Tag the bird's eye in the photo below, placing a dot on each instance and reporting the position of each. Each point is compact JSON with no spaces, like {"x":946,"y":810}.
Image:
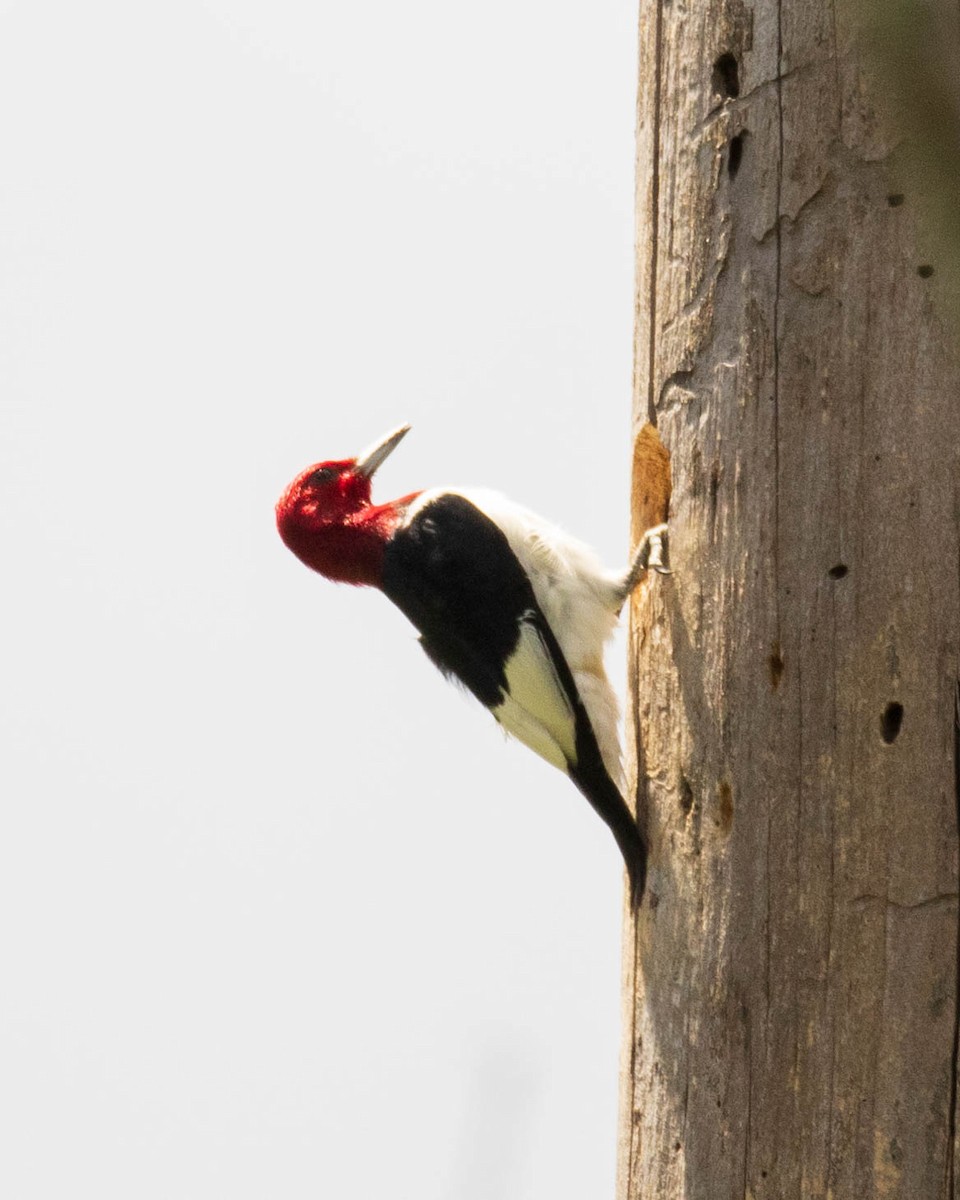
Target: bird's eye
{"x":321,"y":476}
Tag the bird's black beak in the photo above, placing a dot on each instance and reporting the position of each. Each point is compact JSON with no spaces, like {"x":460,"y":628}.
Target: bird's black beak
{"x":372,"y":457}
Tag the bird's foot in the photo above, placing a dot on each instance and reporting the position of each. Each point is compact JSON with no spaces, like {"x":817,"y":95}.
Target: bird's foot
{"x":652,"y":553}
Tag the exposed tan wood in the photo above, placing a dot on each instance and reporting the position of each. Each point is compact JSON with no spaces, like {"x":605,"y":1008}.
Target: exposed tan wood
{"x":650,"y":495}
{"x":791,"y":984}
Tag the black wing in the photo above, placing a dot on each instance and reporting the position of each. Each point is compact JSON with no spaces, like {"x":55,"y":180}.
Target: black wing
{"x":451,"y":570}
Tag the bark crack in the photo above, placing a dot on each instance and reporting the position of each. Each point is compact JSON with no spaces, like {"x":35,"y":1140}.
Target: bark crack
{"x":768,"y":946}
{"x":838,"y":87}
{"x":949,"y":1189}
{"x":776,"y":320}
{"x":655,"y":219}
{"x":746,"y":1141}
{"x":927,"y":902}
{"x":632,"y":1102}
{"x":630,"y":1097}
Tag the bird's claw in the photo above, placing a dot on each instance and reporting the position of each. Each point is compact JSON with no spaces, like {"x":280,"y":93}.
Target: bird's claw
{"x":654,"y":547}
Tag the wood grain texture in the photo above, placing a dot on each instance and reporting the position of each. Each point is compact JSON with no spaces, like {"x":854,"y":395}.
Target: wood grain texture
{"x":913,"y":49}
{"x":790,"y":986}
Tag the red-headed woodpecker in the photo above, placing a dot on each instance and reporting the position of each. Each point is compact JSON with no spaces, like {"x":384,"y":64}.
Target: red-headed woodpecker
{"x":505,"y":603}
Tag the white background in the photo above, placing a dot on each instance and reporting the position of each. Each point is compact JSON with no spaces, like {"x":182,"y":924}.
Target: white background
{"x":281,"y":913}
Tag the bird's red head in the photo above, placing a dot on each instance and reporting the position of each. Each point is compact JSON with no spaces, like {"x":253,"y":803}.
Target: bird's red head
{"x":325,"y":516}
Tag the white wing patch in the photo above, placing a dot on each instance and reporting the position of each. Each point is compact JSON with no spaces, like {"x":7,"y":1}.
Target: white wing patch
{"x":536,"y":710}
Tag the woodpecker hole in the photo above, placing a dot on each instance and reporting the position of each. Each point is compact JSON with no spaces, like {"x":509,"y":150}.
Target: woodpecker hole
{"x":840,"y":571}
{"x":735,"y":155}
{"x":925,"y":271}
{"x":775,"y":666}
{"x":725,"y":820}
{"x":891,"y":721}
{"x":895,"y":199}
{"x":726,"y":76}
{"x":650,"y":495}
{"x":686,"y":795}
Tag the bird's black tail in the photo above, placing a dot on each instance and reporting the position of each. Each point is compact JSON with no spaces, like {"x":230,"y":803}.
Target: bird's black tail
{"x":591,"y":777}
{"x":634,"y":851}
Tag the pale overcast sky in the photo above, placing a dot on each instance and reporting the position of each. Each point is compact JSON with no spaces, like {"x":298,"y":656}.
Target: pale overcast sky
{"x":281,"y":912}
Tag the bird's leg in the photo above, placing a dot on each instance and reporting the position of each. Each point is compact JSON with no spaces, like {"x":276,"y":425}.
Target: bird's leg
{"x":651,"y":554}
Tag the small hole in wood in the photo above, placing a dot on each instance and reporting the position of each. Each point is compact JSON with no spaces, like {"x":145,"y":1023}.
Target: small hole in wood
{"x":925,"y":271}
{"x":895,"y":199}
{"x":891,"y":722}
{"x":686,"y":794}
{"x":840,"y":571}
{"x":726,"y":76}
{"x":714,"y":489}
{"x":725,"y":819}
{"x":775,"y":666}
{"x":735,"y":155}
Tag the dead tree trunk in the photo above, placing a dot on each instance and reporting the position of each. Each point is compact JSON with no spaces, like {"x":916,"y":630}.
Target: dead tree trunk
{"x":791,"y":993}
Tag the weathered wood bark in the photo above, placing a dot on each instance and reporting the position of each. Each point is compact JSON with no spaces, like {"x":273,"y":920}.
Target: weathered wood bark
{"x":913,"y":50}
{"x":791,"y":990}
